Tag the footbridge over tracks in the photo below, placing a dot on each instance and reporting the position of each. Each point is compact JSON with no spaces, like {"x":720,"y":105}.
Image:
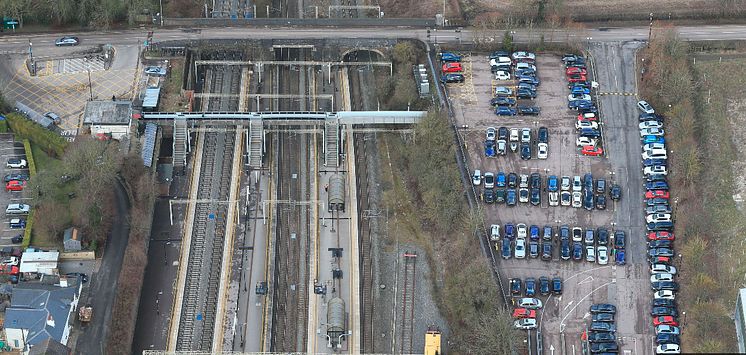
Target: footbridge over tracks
{"x":332,"y":122}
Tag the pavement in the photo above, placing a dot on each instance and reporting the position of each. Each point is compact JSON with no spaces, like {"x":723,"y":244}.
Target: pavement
{"x":103,"y":283}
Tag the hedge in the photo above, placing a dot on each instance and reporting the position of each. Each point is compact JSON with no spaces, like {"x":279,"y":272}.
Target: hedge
{"x":27,"y":231}
{"x":29,"y":157}
{"x":49,"y":141}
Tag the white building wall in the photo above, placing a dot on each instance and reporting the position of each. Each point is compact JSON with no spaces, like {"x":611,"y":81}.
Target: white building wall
{"x":15,"y":337}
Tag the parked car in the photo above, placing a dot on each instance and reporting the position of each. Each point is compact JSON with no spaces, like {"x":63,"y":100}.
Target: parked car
{"x":557,"y":286}
{"x":505,"y":111}
{"x":17,"y":208}
{"x":449,"y":57}
{"x":645,"y":107}
{"x":530,"y":303}
{"x":592,"y":151}
{"x":597,"y":337}
{"x":520,"y":313}
{"x":452,"y":67}
{"x":503,"y":91}
{"x":447,"y":78}
{"x":615,"y":192}
{"x":16,"y":176}
{"x":160,"y":71}
{"x":664,"y":311}
{"x":506,"y":248}
{"x":17,"y":223}
{"x":619,"y":239}
{"x":607,"y":347}
{"x":476,"y":178}
{"x":602,"y":327}
{"x":502,"y":75}
{"x":502,"y":101}
{"x":666,"y":326}
{"x":15,"y":185}
{"x":16,"y":163}
{"x":665,"y":320}
{"x":664,"y":285}
{"x":603,"y":255}
{"x":520,"y":249}
{"x":525,"y":323}
{"x":603,"y":308}
{"x":528,"y":110}
{"x":67,"y":41}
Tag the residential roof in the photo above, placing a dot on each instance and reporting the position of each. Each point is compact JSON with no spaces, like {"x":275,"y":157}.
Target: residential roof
{"x":40,"y":261}
{"x":151,"y":97}
{"x":41,"y":310}
{"x":71,"y":233}
{"x":49,"y":347}
{"x":108,"y":112}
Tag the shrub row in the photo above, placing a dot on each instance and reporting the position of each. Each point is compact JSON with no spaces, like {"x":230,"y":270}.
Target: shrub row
{"x":29,"y":157}
{"x":49,"y":141}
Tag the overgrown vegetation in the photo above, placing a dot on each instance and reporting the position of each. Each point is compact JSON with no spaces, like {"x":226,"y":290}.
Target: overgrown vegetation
{"x":173,"y":100}
{"x":50,"y":142}
{"x":709,"y":227}
{"x":428,"y":197}
{"x":98,"y":14}
{"x":142,"y":188}
{"x":399,"y":92}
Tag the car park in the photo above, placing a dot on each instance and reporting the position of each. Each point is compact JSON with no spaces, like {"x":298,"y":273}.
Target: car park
{"x":448,"y":78}
{"x":525,"y":323}
{"x":67,"y":41}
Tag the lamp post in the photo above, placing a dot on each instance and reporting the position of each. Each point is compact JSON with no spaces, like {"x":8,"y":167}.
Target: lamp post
{"x":161,"y":15}
{"x":650,"y":29}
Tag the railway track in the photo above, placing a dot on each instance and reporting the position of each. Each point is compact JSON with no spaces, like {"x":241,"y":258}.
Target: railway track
{"x":408,"y":296}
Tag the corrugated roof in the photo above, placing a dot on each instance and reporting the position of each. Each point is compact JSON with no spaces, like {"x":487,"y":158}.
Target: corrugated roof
{"x":151,"y":97}
{"x":148,"y":147}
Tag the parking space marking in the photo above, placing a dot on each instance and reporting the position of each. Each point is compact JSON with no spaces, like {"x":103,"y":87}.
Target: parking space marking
{"x":562,"y":322}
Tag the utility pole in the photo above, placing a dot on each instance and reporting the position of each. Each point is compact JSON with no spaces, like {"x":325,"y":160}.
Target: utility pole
{"x":161,"y":2}
{"x":650,"y":29}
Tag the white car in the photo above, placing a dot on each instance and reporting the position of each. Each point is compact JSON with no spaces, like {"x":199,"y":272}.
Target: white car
{"x":543,"y":150}
{"x":651,"y":124}
{"x":495,"y":232}
{"x":655,"y":154}
{"x":573,"y":97}
{"x":586,"y":124}
{"x":524,"y":55}
{"x":10,"y":260}
{"x":668,"y":349}
{"x":523,"y":195}
{"x":526,"y":135}
{"x":525,"y":323}
{"x":577,"y":185}
{"x":476,"y":179}
{"x":521,"y":227}
{"x":502,"y":147}
{"x":500,"y":61}
{"x":655,"y":170}
{"x":585,"y":141}
{"x":577,"y":234}
{"x":520,"y":66}
{"x":489,"y":180}
{"x":502,"y":75}
{"x":15,"y":163}
{"x":653,"y":146}
{"x":553,"y":198}
{"x":565,"y":184}
{"x":577,"y":199}
{"x":603,"y":255}
{"x":644,"y":106}
{"x":658,"y":217}
{"x":530,"y":303}
{"x":491,"y":133}
{"x":661,"y":277}
{"x":17,"y":208}
{"x":651,"y":132}
{"x":514,"y":134}
{"x":520,"y":249}
{"x":664,"y":294}
{"x":566,"y":198}
{"x":590,"y":254}
{"x":662,"y":268}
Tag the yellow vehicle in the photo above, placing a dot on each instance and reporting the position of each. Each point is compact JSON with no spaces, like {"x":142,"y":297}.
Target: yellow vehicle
{"x":432,"y":341}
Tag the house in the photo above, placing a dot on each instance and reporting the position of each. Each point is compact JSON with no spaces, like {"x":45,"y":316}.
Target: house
{"x":39,"y":262}
{"x":50,"y":347}
{"x":108,"y":118}
{"x":40,"y":312}
{"x":72,"y":239}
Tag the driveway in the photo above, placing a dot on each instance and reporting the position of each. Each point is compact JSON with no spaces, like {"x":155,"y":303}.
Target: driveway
{"x":103,"y":284}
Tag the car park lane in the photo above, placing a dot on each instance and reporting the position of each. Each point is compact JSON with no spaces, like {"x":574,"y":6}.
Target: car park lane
{"x":11,"y":149}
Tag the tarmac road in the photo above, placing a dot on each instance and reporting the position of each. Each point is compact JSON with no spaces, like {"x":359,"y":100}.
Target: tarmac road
{"x":103,"y":288}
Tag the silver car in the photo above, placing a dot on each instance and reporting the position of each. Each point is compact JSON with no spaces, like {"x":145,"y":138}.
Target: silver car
{"x":590,"y":254}
{"x":67,"y":41}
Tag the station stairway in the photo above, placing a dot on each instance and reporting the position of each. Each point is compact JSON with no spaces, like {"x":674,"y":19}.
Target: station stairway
{"x":256,"y":135}
{"x":331,"y":143}
{"x":180,"y":145}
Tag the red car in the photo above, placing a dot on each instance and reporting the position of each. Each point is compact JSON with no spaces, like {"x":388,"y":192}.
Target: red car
{"x":665,"y":320}
{"x":575,"y":70}
{"x":592,"y":151}
{"x":657,"y":194}
{"x":661,"y":260}
{"x":590,"y":116}
{"x":452,"y":67}
{"x":524,"y":313}
{"x":664,"y":235}
{"x":576,"y":78}
{"x":15,"y":185}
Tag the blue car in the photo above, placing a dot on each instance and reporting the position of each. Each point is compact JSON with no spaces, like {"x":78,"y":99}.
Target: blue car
{"x":449,"y":57}
{"x":530,"y":287}
{"x":590,"y":133}
{"x":620,"y":257}
{"x":489,"y":148}
{"x":588,"y":200}
{"x":505,"y":111}
{"x":577,"y":251}
{"x":506,"y":252}
{"x":579,"y":89}
{"x":653,"y":139}
{"x":654,"y":162}
{"x":500,"y":179}
{"x":510,"y":231}
{"x":452,"y":78}
{"x":534,"y":232}
{"x":656,"y":185}
{"x":565,"y":249}
{"x":528,"y":79}
{"x":511,"y":198}
{"x":579,"y":104}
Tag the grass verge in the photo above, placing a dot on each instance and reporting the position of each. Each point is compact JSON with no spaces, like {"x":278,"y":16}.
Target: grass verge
{"x":172,"y":100}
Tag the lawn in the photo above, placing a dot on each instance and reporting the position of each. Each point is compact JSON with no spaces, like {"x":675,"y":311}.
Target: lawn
{"x":45,"y":162}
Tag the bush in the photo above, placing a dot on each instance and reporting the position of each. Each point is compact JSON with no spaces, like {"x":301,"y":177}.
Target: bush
{"x":29,"y":157}
{"x":50,"y":142}
{"x":27,"y":232}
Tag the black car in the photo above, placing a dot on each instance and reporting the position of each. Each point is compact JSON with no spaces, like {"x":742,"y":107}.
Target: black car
{"x":452,"y":78}
{"x":664,"y":311}
{"x":502,"y":133}
{"x":546,"y":251}
{"x":619,"y":239}
{"x":528,"y":110}
{"x":601,"y":202}
{"x":506,"y":248}
{"x":502,"y":101}
{"x":512,"y":180}
{"x":17,"y":239}
{"x":511,"y":198}
{"x":83,"y":277}
{"x":515,"y":286}
{"x":662,"y":302}
{"x":497,"y":54}
{"x":603,"y":317}
{"x":656,"y":185}
{"x":535,"y":181}
{"x":530,"y":287}
{"x":564,"y":232}
{"x":667,"y":338}
{"x":488,"y":196}
{"x":600,"y":186}
{"x":662,"y":208}
{"x":557,"y":286}
{"x":525,"y":151}
{"x":577,"y":251}
{"x":19,"y":177}
{"x":500,"y":196}
{"x":543,"y":135}
{"x":589,"y":132}
{"x":588,"y":182}
{"x":606,"y":347}
{"x":656,"y":177}
{"x":664,"y":285}
{"x":544,"y":285}
{"x":535,"y":197}
{"x":565,"y":249}
{"x":602,"y":235}
{"x":650,"y":117}
{"x":600,"y":337}
{"x":615,"y":192}
{"x":602,"y":327}
{"x":660,"y":244}
{"x":660,"y":252}
{"x":655,"y":201}
{"x":588,"y":200}
{"x":603,"y":308}
{"x":525,"y":94}
{"x":525,"y":72}
{"x":533,"y":249}
{"x":660,"y":226}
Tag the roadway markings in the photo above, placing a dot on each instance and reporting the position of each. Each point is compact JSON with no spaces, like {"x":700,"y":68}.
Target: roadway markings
{"x":618,"y":93}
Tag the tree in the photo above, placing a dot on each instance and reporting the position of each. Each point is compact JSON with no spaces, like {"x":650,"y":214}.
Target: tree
{"x":508,"y":41}
{"x":405,"y":54}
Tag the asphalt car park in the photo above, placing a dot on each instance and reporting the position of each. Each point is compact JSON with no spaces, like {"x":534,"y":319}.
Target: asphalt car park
{"x":10,"y":149}
{"x":564,"y":317}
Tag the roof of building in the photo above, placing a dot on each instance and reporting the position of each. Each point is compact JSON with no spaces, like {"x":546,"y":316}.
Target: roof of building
{"x":42,"y":310}
{"x":151,"y":97}
{"x":72,"y":233}
{"x":108,"y":112}
{"x":39,"y":261}
{"x":49,"y":347}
